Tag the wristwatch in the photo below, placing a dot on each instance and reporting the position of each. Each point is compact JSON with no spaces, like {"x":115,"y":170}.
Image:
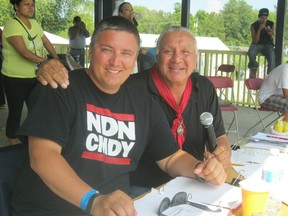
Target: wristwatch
{"x":197,"y":176}
{"x":37,"y":66}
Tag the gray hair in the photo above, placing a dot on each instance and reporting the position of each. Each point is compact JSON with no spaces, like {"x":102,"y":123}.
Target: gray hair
{"x":115,"y":23}
{"x":174,"y":29}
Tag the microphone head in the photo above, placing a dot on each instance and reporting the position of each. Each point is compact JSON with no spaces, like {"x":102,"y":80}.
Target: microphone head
{"x":206,"y":119}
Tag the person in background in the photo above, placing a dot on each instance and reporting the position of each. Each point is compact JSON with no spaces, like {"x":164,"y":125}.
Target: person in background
{"x":2,"y":94}
{"x":126,"y":10}
{"x":145,"y":61}
{"x":77,"y":40}
{"x":273,"y":92}
{"x":152,"y":52}
{"x":262,"y":33}
{"x":95,"y":133}
{"x":23,"y":42}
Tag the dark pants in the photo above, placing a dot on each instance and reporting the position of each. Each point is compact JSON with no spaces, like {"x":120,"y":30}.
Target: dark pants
{"x":2,"y":95}
{"x":267,"y":50}
{"x":17,"y":91}
{"x":78,"y":55}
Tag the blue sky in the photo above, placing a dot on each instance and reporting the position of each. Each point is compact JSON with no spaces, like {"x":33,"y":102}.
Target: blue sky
{"x":207,"y":5}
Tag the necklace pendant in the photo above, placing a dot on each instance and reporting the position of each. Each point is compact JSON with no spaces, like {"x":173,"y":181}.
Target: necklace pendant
{"x":180,"y":130}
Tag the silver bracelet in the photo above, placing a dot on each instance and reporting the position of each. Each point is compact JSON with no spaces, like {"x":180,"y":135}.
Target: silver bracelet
{"x":197,"y":176}
{"x":37,"y":66}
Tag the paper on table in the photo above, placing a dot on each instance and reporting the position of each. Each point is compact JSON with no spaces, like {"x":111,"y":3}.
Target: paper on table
{"x":270,"y":137}
{"x":256,"y":158}
{"x":250,"y":170}
{"x":225,"y":195}
{"x":248,"y":155}
{"x":267,"y":146}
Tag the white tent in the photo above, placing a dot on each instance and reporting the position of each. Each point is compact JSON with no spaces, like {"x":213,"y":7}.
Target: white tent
{"x":204,"y":43}
{"x":210,"y":43}
{"x":55,"y":39}
{"x":148,"y":40}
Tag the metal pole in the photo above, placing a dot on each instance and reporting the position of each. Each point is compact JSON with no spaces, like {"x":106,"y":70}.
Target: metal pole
{"x":280,"y":28}
{"x":98,"y":8}
{"x":185,"y":13}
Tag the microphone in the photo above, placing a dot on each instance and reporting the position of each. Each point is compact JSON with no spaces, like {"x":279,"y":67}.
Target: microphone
{"x":206,"y":120}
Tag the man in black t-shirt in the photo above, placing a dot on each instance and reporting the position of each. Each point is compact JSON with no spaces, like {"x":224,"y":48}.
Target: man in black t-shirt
{"x":93,"y":134}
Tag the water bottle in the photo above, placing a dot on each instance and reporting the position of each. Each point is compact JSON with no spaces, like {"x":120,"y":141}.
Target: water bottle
{"x":272,"y":174}
{"x":137,"y":16}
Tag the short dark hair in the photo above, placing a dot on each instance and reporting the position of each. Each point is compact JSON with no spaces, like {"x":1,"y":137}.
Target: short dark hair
{"x":17,"y":2}
{"x":120,"y":8}
{"x":76,"y":19}
{"x":116,"y":23}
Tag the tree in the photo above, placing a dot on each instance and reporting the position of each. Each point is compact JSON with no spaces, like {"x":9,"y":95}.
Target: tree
{"x":238,"y":16}
{"x":55,"y":16}
{"x":50,"y":15}
{"x":154,"y":22}
{"x":210,"y":24}
{"x":7,"y":12}
{"x":231,"y":25}
{"x":286,"y":33}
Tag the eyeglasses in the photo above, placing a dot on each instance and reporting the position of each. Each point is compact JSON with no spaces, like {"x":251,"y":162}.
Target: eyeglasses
{"x":181,"y":198}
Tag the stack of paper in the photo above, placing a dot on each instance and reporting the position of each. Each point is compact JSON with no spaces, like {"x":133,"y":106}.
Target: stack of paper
{"x":226,"y":197}
{"x":267,"y":141}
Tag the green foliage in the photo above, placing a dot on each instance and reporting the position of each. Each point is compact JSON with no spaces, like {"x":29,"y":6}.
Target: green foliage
{"x":231,"y":25}
{"x":286,"y":29}
{"x":238,"y":16}
{"x":153,"y":22}
{"x":7,"y":12}
{"x":209,"y":24}
{"x":55,"y":16}
{"x":47,"y":16}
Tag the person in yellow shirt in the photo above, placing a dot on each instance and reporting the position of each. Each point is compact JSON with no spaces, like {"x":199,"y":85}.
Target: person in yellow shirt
{"x":23,"y":41}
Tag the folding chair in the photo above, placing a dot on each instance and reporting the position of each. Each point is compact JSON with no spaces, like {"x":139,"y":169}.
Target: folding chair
{"x":222,"y":84}
{"x":253,"y":85}
{"x":228,"y":68}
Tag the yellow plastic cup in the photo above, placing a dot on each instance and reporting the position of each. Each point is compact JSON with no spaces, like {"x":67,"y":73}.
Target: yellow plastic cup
{"x":254,"y":197}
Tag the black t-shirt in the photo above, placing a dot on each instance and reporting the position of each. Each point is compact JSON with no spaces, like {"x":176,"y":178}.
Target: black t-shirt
{"x":264,"y":37}
{"x":202,"y":99}
{"x":102,"y":138}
